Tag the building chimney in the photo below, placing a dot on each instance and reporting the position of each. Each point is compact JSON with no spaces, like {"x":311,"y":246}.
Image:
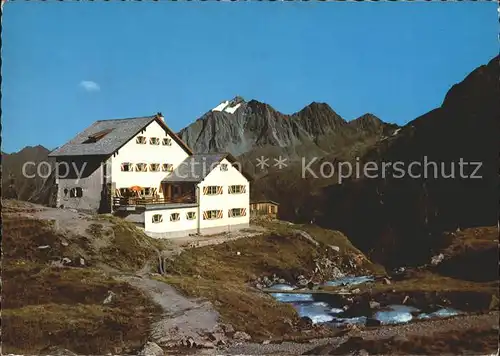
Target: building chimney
{"x":159,"y":115}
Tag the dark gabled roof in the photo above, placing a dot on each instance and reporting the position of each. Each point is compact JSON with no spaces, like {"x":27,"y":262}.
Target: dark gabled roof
{"x":111,"y":136}
{"x":196,"y":167}
{"x":263,"y":201}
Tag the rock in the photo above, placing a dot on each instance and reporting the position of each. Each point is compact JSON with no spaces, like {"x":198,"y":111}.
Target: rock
{"x":400,"y":338}
{"x":205,"y":345}
{"x":82,"y":262}
{"x":216,"y":337}
{"x":356,"y":291}
{"x":43,"y":247}
{"x":241,"y":335}
{"x":337,"y":273}
{"x":73,"y":211}
{"x":288,"y":322}
{"x":335,"y":248}
{"x":305,"y":322}
{"x":57,"y":264}
{"x":302,"y":282}
{"x":405,"y":300}
{"x":386,"y":281}
{"x":66,"y":261}
{"x":109,"y":298}
{"x":259,"y":286}
{"x":64,"y":243}
{"x":374,"y":304}
{"x":361,"y":352}
{"x":281,"y":281}
{"x":372,"y":322}
{"x":227,"y":328}
{"x":151,"y":349}
{"x":352,"y":328}
{"x":266,"y":342}
{"x":494,"y":302}
{"x":57,"y":351}
{"x":437,"y":259}
{"x":359,"y":307}
{"x":189,"y":342}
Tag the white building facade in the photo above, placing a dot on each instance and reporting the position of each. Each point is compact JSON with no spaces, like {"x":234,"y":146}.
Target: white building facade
{"x":139,"y":169}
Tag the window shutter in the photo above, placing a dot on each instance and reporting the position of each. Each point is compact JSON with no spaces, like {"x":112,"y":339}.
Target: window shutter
{"x":205,"y":190}
{"x":243,"y":188}
{"x":243,"y":212}
{"x":219,"y":214}
{"x":230,"y":213}
{"x":205,"y":215}
{"x":219,"y":190}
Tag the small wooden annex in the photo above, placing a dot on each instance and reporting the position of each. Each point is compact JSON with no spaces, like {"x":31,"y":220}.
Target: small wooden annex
{"x":264,"y":208}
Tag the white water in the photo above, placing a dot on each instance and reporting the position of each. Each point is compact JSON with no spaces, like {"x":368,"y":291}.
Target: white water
{"x":323,"y":312}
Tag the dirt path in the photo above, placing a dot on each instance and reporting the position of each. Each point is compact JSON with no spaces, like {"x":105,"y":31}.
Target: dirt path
{"x":425,"y":328}
{"x":182,"y":318}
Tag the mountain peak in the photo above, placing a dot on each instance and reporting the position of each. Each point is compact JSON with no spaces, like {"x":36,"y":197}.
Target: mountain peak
{"x":230,"y":106}
{"x":368,"y":117}
{"x":317,"y":106}
{"x":367,"y":121}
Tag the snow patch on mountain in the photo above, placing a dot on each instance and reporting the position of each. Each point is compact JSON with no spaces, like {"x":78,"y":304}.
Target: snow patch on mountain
{"x":229,"y":106}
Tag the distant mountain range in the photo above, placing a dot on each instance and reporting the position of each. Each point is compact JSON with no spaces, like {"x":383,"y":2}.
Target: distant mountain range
{"x":396,"y":221}
{"x":253,"y":129}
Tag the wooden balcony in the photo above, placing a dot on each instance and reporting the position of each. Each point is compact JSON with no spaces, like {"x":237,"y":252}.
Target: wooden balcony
{"x":145,"y":201}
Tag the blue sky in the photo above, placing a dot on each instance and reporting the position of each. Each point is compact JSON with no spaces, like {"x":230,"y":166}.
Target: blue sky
{"x":68,"y":64}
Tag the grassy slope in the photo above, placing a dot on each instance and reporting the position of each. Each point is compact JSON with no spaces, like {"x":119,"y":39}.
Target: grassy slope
{"x":44,"y":305}
{"x":219,"y":274}
{"x":472,"y":255}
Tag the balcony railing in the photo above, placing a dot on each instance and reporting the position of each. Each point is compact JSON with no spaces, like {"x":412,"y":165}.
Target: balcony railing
{"x":135,"y":201}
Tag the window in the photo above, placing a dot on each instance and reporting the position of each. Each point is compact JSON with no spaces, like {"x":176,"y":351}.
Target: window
{"x":76,"y":192}
{"x":141,"y":167}
{"x":146,"y":191}
{"x":141,"y":140}
{"x":167,"y":167}
{"x":223,"y":167}
{"x":236,"y":189}
{"x":175,"y":217}
{"x":166,"y":141}
{"x":154,"y":167}
{"x":191,"y":215}
{"x":212,"y":214}
{"x":212,"y":190}
{"x":157,"y":218}
{"x":97,"y":136}
{"x":126,"y":167}
{"x":237,"y":212}
{"x":154,"y":141}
